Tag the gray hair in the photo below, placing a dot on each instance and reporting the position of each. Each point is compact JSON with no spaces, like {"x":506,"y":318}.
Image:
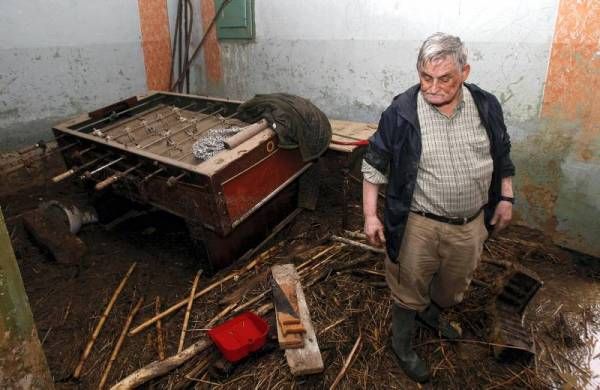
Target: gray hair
{"x":439,"y":46}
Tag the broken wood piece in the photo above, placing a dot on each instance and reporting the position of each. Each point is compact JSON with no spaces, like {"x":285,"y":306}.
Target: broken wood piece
{"x":286,"y":319}
{"x":234,"y":275}
{"x":98,"y":328}
{"x":119,"y":344}
{"x":187,"y":311}
{"x":160,"y":339}
{"x":358,"y":244}
{"x":347,"y":363}
{"x":158,"y":368}
{"x":355,"y":235}
{"x":292,"y":328}
{"x":308,"y":359}
{"x":237,"y":294}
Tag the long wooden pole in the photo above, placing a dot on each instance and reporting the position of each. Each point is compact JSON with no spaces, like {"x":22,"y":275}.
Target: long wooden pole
{"x":182,"y":303}
{"x":101,"y":322}
{"x":119,"y":344}
{"x":347,"y":363}
{"x":187,"y":311}
{"x":358,"y":244}
{"x":158,"y":368}
{"x":160,"y":340}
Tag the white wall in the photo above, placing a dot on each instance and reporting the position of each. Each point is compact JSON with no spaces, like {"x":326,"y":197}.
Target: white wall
{"x":351,"y":57}
{"x":62,"y":57}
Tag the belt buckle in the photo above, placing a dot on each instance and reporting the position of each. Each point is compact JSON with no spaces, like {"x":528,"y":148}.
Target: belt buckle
{"x":465,"y":220}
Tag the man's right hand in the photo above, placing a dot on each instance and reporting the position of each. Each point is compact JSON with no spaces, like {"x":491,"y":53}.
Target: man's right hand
{"x":374,"y":231}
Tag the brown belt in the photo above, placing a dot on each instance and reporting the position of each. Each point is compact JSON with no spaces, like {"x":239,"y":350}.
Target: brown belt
{"x":451,"y":221}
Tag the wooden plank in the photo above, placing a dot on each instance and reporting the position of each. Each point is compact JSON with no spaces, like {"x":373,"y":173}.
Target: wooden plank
{"x":347,"y":131}
{"x":306,"y":360}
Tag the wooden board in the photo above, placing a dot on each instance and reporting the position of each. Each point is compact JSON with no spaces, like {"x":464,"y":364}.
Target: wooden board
{"x":306,"y":360}
{"x":347,"y":131}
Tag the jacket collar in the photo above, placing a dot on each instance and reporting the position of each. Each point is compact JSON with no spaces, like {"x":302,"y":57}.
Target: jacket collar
{"x":406,"y":103}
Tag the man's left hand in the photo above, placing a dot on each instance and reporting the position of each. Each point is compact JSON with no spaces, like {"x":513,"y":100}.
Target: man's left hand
{"x":502,"y":216}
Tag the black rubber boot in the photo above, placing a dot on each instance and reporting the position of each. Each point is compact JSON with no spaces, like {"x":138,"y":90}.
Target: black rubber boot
{"x":403,"y":327}
{"x":430,"y":317}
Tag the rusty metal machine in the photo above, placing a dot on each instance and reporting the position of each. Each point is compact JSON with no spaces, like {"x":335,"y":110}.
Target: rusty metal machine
{"x":173,"y":152}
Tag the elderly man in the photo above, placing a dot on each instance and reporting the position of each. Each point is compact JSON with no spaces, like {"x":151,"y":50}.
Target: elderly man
{"x":443,"y":150}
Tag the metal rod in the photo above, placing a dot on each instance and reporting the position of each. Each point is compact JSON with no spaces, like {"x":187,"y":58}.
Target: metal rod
{"x":174,"y":179}
{"x":116,"y":177}
{"x":174,"y":111}
{"x":76,"y":169}
{"x":37,"y":158}
{"x":211,"y":115}
{"x":119,"y":114}
{"x":30,"y":148}
{"x":150,"y":176}
{"x":88,"y":175}
{"x":133,"y":118}
{"x":175,"y":40}
{"x":84,"y":151}
{"x":188,"y":62}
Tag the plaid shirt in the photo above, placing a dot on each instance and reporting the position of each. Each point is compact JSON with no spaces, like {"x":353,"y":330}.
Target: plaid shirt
{"x":455,"y":168}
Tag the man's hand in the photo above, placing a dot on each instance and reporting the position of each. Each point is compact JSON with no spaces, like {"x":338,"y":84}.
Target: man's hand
{"x":502,"y":216}
{"x":373,"y":226}
{"x":374,"y":231}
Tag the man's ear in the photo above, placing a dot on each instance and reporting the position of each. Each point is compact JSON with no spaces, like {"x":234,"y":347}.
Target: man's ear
{"x":465,"y":71}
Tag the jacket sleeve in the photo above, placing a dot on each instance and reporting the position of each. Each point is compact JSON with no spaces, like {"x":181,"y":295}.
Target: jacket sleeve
{"x":379,"y":151}
{"x":505,"y":164}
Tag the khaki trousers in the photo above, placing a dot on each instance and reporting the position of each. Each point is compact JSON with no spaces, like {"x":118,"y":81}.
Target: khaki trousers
{"x":436,"y":262}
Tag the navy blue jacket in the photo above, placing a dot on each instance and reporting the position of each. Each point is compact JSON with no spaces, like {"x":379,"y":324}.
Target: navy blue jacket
{"x":396,"y":148}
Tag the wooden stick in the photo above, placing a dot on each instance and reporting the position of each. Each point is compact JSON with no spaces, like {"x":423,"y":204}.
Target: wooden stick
{"x":98,"y":328}
{"x":180,"y":304}
{"x":358,"y":244}
{"x":187,"y":311}
{"x":221,"y":314}
{"x":161,"y":367}
{"x":356,"y":235}
{"x":347,"y":363}
{"x":158,"y":368}
{"x":119,"y":344}
{"x":160,"y":340}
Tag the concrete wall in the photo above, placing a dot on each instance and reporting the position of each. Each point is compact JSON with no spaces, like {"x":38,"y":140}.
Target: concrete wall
{"x":63,"y":57}
{"x":351,"y":57}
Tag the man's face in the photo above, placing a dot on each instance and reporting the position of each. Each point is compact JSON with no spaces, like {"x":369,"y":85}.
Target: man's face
{"x":441,"y":80}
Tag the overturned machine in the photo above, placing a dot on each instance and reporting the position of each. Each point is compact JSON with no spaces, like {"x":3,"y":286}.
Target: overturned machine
{"x":188,"y":155}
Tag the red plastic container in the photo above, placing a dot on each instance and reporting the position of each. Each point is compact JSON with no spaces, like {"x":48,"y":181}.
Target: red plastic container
{"x":239,"y":336}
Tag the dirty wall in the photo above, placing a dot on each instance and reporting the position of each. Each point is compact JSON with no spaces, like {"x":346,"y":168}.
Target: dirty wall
{"x":62,"y":57}
{"x":352,"y":57}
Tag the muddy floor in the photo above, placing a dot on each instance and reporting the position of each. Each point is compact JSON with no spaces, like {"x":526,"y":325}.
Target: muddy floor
{"x":67,"y":301}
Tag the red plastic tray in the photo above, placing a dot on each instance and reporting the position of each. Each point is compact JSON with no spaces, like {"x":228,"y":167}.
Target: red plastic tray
{"x":239,"y":336}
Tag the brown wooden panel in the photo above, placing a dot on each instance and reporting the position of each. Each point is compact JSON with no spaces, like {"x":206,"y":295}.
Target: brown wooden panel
{"x":249,"y":187}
